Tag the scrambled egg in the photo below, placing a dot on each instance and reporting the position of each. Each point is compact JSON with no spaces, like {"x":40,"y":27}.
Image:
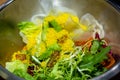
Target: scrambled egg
{"x":63,"y":33}
{"x":63,"y":18}
{"x":67,"y":45}
{"x":51,"y":37}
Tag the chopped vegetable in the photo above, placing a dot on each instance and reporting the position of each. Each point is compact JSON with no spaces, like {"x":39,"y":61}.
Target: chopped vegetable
{"x":51,"y":53}
{"x":55,"y":25}
{"x":23,"y":74}
{"x":95,"y":46}
{"x":17,"y":64}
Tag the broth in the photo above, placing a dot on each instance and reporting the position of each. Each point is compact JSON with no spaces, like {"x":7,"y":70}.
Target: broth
{"x":10,"y":41}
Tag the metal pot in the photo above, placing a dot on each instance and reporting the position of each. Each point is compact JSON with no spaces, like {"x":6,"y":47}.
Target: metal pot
{"x":22,"y":10}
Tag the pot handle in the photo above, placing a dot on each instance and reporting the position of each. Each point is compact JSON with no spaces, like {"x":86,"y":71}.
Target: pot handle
{"x":6,"y":3}
{"x":115,"y":4}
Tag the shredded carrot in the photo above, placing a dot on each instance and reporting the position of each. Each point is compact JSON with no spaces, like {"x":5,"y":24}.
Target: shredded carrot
{"x":81,"y":42}
{"x":109,"y":62}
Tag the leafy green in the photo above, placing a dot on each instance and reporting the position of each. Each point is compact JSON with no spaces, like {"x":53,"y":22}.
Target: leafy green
{"x":25,"y":25}
{"x":94,"y":59}
{"x":95,"y":46}
{"x":49,"y":51}
{"x":55,"y":25}
{"x":17,"y":64}
{"x":56,"y":73}
{"x":44,"y":31}
{"x":83,"y":66}
{"x":23,"y":74}
{"x":27,"y":29}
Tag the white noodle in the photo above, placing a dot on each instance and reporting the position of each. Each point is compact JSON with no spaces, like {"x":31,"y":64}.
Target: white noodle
{"x":99,"y":29}
{"x":23,"y":37}
{"x":92,"y":24}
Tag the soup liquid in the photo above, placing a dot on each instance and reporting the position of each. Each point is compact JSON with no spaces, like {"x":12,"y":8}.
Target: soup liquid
{"x":10,"y":41}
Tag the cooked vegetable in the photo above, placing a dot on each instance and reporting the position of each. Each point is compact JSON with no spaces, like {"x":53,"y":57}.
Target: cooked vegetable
{"x":23,"y":74}
{"x":55,"y":25}
{"x":51,"y":53}
{"x":17,"y":64}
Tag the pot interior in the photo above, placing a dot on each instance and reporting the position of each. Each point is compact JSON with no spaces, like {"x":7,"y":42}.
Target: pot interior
{"x":23,"y":10}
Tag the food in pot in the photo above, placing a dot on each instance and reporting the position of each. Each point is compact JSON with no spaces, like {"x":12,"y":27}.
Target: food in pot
{"x":61,"y":47}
